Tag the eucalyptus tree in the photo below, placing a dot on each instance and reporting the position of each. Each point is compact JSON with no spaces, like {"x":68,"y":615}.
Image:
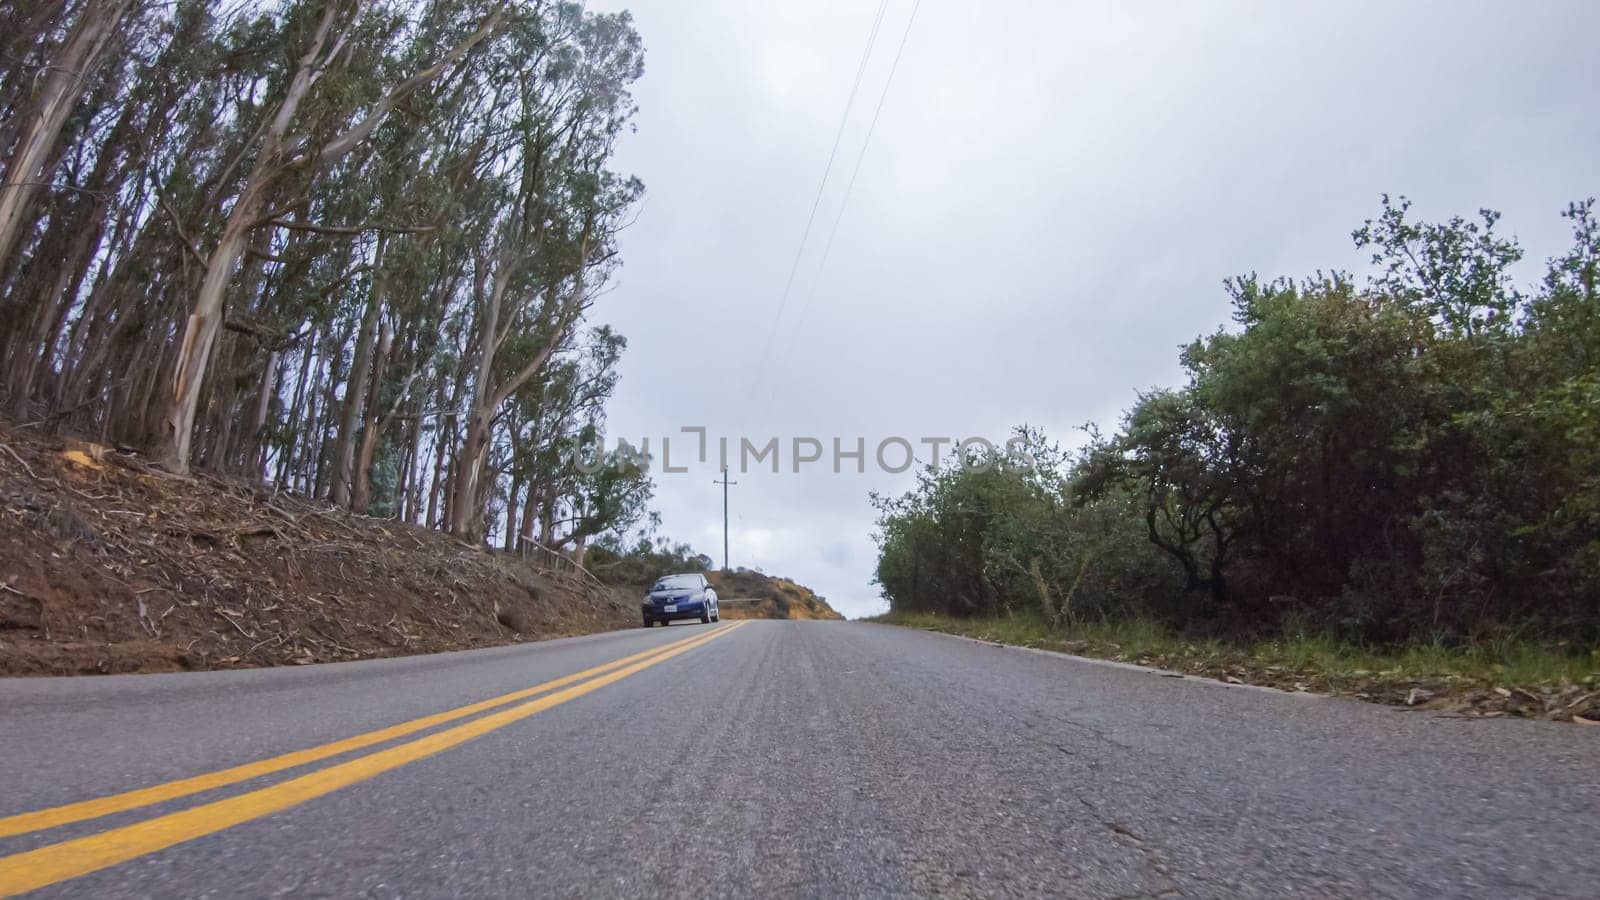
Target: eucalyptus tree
{"x":552,"y":245}
{"x":61,"y":211}
{"x":545,"y":425}
{"x":342,"y":247}
{"x":281,"y":149}
{"x":40,"y":114}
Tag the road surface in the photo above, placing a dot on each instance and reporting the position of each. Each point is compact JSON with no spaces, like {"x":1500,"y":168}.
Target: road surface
{"x":766,"y":758}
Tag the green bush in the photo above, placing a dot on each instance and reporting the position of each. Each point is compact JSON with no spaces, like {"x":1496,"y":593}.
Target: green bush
{"x":1415,"y":459}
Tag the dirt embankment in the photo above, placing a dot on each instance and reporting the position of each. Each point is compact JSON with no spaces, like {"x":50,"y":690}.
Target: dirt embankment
{"x":108,"y":565}
{"x":744,"y":594}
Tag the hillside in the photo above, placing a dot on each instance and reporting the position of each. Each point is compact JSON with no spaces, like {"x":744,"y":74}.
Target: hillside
{"x":743,"y":593}
{"x":110,"y":565}
{"x":746,"y":594}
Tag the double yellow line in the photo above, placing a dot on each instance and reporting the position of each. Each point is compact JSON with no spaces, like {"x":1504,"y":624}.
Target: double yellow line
{"x":69,"y":859}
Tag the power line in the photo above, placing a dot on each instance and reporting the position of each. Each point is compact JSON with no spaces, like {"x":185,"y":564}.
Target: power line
{"x":805,"y":306}
{"x":805,"y":234}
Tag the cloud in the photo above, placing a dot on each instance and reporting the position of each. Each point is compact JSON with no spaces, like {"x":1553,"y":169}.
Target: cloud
{"x":1050,"y":201}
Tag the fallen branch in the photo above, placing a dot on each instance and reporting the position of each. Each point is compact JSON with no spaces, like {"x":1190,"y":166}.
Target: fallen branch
{"x":20,"y":461}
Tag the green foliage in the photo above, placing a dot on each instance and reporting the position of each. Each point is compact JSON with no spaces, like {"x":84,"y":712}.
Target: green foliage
{"x":977,"y":541}
{"x":1415,"y":459}
{"x":649,"y":557}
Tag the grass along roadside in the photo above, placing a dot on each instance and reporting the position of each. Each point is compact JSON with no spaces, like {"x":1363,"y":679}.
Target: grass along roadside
{"x":1484,"y":680}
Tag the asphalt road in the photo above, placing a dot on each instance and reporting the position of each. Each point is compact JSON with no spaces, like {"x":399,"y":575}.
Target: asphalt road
{"x":818,"y":759}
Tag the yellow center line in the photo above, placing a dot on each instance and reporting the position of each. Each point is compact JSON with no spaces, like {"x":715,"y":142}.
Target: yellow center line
{"x":171,"y":790}
{"x":47,"y":865}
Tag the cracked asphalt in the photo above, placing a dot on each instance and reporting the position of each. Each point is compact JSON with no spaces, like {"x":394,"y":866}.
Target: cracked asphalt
{"x":817,"y":759}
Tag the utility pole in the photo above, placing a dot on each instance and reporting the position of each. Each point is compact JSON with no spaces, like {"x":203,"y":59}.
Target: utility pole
{"x":724,"y":482}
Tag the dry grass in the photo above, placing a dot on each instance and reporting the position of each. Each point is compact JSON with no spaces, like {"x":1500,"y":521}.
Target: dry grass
{"x":768,"y":597}
{"x":1487,"y":679}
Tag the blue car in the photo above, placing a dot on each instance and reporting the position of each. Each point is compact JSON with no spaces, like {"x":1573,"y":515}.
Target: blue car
{"x":680,"y":597}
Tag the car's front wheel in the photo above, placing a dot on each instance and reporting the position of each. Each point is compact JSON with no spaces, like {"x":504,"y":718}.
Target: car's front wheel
{"x":647,"y":622}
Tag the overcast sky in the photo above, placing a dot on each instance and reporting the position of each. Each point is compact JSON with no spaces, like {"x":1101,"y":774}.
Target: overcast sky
{"x":1045,"y":212}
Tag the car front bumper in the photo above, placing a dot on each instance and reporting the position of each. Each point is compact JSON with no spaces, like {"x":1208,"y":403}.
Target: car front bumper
{"x":693,"y":609}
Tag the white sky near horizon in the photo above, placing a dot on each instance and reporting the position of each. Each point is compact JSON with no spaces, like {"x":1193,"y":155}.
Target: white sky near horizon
{"x":1045,"y":213}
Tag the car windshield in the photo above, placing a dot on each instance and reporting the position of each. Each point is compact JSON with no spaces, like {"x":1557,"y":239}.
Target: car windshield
{"x":677,"y":583}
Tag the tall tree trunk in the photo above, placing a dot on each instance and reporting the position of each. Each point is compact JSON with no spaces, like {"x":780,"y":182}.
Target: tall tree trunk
{"x":513,"y":496}
{"x":547,"y":519}
{"x":439,"y":441}
{"x":370,"y":426}
{"x":306,"y":468}
{"x":411,"y":485}
{"x":296,"y":410}
{"x":31,"y":348}
{"x":355,"y":391}
{"x":529,"y":507}
{"x":200,"y":333}
{"x":258,"y":431}
{"x":336,"y":376}
{"x":487,"y":294}
{"x":221,"y":411}
{"x":58,"y":96}
{"x":464,"y":510}
{"x":448,"y":496}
